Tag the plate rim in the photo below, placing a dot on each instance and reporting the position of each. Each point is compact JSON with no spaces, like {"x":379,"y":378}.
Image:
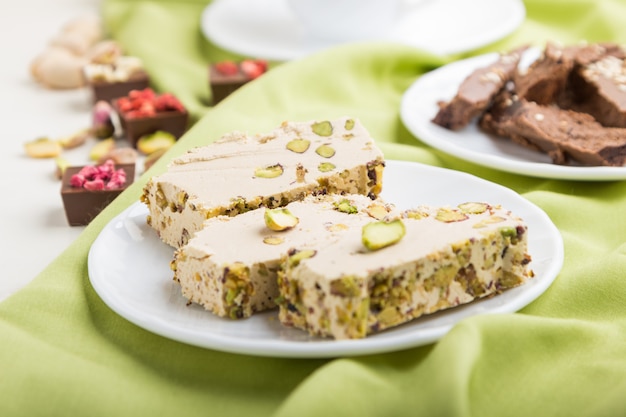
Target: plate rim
{"x":509,"y":23}
{"x":325,"y":348}
{"x":420,"y":128}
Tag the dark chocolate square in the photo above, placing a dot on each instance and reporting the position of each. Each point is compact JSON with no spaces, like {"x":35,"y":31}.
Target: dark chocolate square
{"x":82,"y":205}
{"x":174,"y":122}
{"x":108,"y":91}
{"x":222,"y":85}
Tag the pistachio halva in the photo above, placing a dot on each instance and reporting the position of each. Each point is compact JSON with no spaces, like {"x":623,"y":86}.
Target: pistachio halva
{"x":242,"y":172}
{"x":439,"y":258}
{"x":230,"y":266}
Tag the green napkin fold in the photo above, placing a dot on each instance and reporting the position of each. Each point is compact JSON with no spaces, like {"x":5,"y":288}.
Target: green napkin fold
{"x":64,"y":352}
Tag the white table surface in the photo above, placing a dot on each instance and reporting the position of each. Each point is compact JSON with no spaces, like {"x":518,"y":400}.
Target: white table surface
{"x":33,"y":227}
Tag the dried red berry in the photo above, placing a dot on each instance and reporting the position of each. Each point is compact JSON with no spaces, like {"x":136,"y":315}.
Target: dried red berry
{"x":253,"y":68}
{"x":227,"y":68}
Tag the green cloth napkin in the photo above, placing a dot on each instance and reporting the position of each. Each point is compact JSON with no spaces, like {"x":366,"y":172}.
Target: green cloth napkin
{"x":63,"y":352}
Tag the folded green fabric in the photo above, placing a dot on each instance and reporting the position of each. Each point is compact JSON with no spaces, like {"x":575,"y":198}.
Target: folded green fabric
{"x":64,"y":352}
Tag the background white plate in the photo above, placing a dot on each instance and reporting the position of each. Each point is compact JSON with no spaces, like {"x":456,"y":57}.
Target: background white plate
{"x":268,"y":29}
{"x":419,"y":106}
{"x":129,"y":269}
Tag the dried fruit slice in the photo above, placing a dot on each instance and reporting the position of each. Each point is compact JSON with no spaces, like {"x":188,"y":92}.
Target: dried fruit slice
{"x":280,"y":219}
{"x":298,"y":145}
{"x":271,"y":171}
{"x":377,"y":235}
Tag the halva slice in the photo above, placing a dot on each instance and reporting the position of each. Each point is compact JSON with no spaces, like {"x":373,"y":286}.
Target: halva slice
{"x":439,"y":258}
{"x":241,"y":172}
{"x":230,"y":266}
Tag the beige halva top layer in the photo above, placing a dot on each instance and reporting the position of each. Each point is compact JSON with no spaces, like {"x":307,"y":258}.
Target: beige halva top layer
{"x":242,"y":172}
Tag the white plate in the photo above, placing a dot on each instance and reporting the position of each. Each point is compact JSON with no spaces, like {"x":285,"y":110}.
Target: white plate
{"x":419,"y":106}
{"x":268,"y":29}
{"x":129,"y":269}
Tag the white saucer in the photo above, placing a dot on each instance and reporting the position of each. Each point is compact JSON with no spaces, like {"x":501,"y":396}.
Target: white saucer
{"x":267,"y":28}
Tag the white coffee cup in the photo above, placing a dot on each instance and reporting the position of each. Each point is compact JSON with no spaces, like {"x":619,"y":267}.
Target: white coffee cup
{"x":344,"y":20}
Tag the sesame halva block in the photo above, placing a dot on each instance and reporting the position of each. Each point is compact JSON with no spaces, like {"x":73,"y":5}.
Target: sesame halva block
{"x":230,"y":266}
{"x":242,"y":172}
{"x":445,"y":257}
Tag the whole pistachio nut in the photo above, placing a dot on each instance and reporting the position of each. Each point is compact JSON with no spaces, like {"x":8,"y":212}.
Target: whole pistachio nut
{"x":102,"y":124}
{"x":43,"y":148}
{"x":75,"y":140}
{"x":377,"y":235}
{"x":280,"y":219}
{"x":101,"y":148}
{"x":156,"y":141}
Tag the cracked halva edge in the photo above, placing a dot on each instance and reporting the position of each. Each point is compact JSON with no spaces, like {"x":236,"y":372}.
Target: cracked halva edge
{"x":230,"y":266}
{"x":446,"y":258}
{"x":242,"y":172}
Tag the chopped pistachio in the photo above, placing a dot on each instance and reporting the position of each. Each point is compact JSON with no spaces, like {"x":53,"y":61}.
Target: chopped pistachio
{"x":349,"y":124}
{"x":297,"y":256}
{"x":345,"y":206}
{"x":489,"y":220}
{"x":377,"y":235}
{"x":326,"y":167}
{"x":324,"y":128}
{"x":377,"y":211}
{"x":61,"y":166}
{"x":473,"y":208}
{"x":448,"y":215}
{"x":271,"y":171}
{"x":325,"y":151}
{"x":273,"y":240}
{"x":280,"y":219}
{"x":416,"y":214}
{"x":298,"y":145}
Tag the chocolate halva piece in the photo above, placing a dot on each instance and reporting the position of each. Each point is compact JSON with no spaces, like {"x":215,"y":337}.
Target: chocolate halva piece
{"x":563,"y":134}
{"x":599,"y":88}
{"x":477,"y":92}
